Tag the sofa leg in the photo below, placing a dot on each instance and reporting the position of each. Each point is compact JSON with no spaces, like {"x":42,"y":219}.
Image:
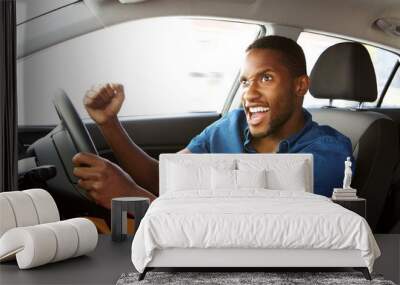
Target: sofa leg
{"x":364,"y":271}
{"x":143,"y":274}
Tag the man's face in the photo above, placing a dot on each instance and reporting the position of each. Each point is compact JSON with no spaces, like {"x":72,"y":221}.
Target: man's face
{"x":269,"y":98}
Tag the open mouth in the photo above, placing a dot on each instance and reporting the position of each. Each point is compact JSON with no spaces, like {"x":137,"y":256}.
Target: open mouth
{"x":256,"y":115}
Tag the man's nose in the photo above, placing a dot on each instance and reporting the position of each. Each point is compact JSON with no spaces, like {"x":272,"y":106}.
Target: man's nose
{"x":251,"y":92}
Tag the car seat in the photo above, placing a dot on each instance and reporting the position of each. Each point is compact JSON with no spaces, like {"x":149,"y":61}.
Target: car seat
{"x":390,"y":219}
{"x":345,"y":71}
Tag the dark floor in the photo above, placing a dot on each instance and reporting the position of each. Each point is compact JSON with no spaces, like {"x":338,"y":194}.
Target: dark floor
{"x":106,"y":264}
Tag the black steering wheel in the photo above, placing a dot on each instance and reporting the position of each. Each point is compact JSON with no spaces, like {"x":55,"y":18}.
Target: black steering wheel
{"x":72,"y":122}
{"x":76,"y":133}
{"x":57,"y":148}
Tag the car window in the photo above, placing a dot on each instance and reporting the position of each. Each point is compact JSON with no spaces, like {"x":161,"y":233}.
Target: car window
{"x":314,"y":44}
{"x":392,"y":97}
{"x":167,"y":66}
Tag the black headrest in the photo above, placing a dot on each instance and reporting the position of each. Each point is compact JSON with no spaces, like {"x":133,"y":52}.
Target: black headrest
{"x":344,"y":71}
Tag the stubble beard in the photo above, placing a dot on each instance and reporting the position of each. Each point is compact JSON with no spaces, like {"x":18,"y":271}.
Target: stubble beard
{"x":275,"y":124}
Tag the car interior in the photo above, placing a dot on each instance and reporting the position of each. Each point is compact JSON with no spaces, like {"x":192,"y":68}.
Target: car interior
{"x":343,"y":72}
{"x":180,"y":64}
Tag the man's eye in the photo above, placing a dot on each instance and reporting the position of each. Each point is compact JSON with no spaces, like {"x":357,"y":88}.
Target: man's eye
{"x":266,"y":77}
{"x":244,"y":83}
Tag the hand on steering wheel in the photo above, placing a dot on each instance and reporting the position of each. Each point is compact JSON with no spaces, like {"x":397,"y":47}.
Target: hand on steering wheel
{"x":74,"y":126}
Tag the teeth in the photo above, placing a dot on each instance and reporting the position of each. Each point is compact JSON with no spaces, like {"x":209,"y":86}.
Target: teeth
{"x":258,"y":109}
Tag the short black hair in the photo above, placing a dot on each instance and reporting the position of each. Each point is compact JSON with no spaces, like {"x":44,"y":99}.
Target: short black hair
{"x":293,"y":54}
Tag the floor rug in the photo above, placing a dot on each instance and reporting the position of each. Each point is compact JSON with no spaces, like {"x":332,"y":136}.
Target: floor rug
{"x":244,"y":278}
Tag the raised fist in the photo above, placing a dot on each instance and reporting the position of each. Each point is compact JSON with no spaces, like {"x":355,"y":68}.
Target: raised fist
{"x":103,"y":102}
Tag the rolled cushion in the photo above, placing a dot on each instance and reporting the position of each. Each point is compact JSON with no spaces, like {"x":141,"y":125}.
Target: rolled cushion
{"x":45,"y":205}
{"x":7,"y":218}
{"x":23,"y":208}
{"x":66,"y":238}
{"x":32,"y":246}
{"x":40,"y":244}
{"x":87,"y":235}
{"x":26,"y":208}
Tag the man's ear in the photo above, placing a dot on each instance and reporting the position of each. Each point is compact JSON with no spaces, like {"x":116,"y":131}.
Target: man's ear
{"x":302,"y":85}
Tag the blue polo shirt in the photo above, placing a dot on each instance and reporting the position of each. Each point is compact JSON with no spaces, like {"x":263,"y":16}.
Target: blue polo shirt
{"x":330,"y":148}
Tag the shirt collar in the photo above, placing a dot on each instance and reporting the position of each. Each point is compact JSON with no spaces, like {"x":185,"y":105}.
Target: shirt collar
{"x":247,"y":141}
{"x":284,"y":145}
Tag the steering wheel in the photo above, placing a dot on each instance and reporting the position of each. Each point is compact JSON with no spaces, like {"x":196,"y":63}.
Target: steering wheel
{"x":57,"y":148}
{"x":75,"y":132}
{"x":72,"y":122}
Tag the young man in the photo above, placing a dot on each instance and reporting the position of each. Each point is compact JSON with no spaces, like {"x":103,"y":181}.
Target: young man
{"x":273,"y":81}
